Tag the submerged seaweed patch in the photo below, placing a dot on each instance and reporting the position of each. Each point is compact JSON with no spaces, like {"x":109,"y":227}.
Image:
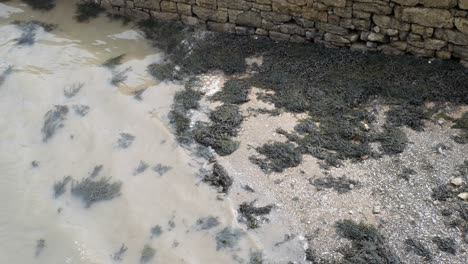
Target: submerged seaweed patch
{"x":44,"y":5}
{"x":367,"y":244}
{"x":81,"y":110}
{"x":253,"y":216}
{"x":40,"y":246}
{"x":92,"y":191}
{"x":73,"y":89}
{"x":87,"y":11}
{"x":234,"y":91}
{"x":207,"y":223}
{"x":114,"y":61}
{"x":125,"y":140}
{"x":53,"y":120}
{"x":156,"y":231}
{"x":142,"y":166}
{"x":161,"y":169}
{"x":5,"y":73}
{"x":119,"y":77}
{"x":228,"y":238}
{"x":59,"y":187}
{"x":118,"y":256}
{"x":147,"y":254}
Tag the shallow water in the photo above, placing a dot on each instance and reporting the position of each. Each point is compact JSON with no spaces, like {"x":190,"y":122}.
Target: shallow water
{"x":62,"y":115}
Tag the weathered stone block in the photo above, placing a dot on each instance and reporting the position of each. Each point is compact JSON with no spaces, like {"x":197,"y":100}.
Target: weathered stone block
{"x":463,"y":4}
{"x":373,"y":8}
{"x":335,"y":38}
{"x":462,"y":24}
{"x":210,"y":14}
{"x":249,"y":19}
{"x":428,"y":17}
{"x":332,"y":28}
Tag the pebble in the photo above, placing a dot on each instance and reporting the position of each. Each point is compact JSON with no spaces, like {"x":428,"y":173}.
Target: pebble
{"x":463,"y":196}
{"x":457,"y":181}
{"x":376,"y":209}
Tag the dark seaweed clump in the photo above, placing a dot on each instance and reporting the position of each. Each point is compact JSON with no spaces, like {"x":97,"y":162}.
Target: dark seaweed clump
{"x":446,"y":244}
{"x":92,"y":191}
{"x":156,"y":231}
{"x":462,"y":124}
{"x":44,"y":5}
{"x":59,"y":187}
{"x":53,"y":120}
{"x":147,"y":254}
{"x":367,"y":244}
{"x":219,"y":178}
{"x":161,"y":169}
{"x":278,"y":157}
{"x":87,"y":11}
{"x":225,"y":123}
{"x":119,"y":77}
{"x":142,"y":166}
{"x":29,"y":29}
{"x":253,"y":216}
{"x":341,"y":184}
{"x":234,"y":91}
{"x":413,"y":245}
{"x":48,"y":27}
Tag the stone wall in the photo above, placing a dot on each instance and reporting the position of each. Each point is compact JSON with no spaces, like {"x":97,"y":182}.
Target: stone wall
{"x":428,"y":28}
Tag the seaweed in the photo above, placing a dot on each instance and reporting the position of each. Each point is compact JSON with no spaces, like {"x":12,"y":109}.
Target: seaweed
{"x":118,"y":256}
{"x":137,"y":95}
{"x":251,"y":215}
{"x":225,"y":123}
{"x":413,"y":245}
{"x":161,"y":169}
{"x":406,"y":173}
{"x":441,"y":193}
{"x":48,"y":27}
{"x":228,"y":238}
{"x":340,"y":184}
{"x":59,"y":187}
{"x":113,"y":62}
{"x":43,"y":5}
{"x":92,"y":191}
{"x":156,"y":231}
{"x":119,"y":77}
{"x":278,"y":157}
{"x":142,"y":166}
{"x":125,"y":140}
{"x":53,"y":121}
{"x":96,"y":170}
{"x":445,"y":244}
{"x":164,"y":71}
{"x":219,"y":178}
{"x":5,"y":73}
{"x":40,"y":245}
{"x":72,"y":90}
{"x":81,"y":110}
{"x":147,"y":254}
{"x":125,"y":20}
{"x":407,"y":115}
{"x":207,"y":223}
{"x":28,"y":35}
{"x":87,"y":11}
{"x":234,"y":91}
{"x":256,"y":257}
{"x":367,"y":244}
{"x":392,"y":141}
{"x":460,"y":123}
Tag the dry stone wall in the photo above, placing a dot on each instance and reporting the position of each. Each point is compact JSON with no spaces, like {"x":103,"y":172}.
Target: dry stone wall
{"x":427,"y":28}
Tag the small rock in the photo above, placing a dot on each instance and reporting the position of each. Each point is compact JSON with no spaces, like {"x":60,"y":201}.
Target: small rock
{"x":463,"y":196}
{"x":376,"y":209}
{"x":457,"y":181}
{"x":351,"y":186}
